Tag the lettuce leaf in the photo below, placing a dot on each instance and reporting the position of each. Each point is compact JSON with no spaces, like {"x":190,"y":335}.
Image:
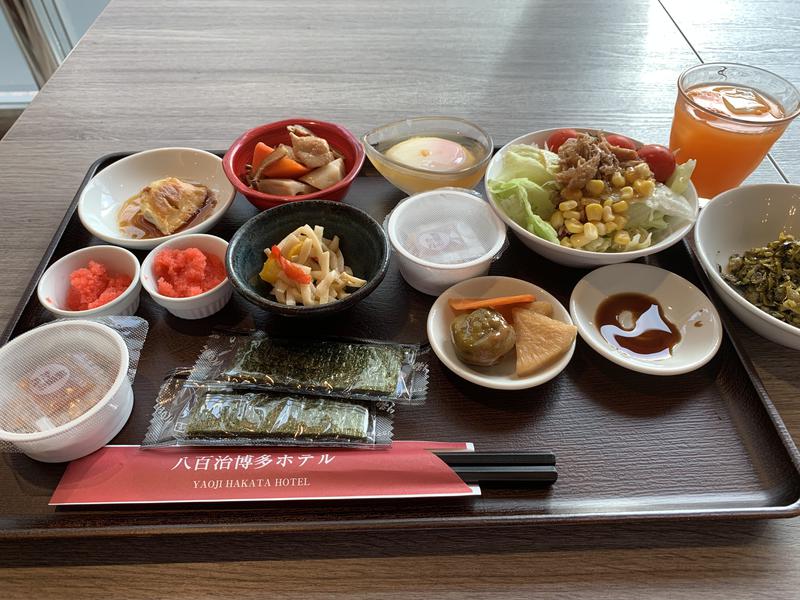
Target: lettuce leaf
{"x":529,"y":162}
{"x":652,"y":212}
{"x":541,"y":228}
{"x":527,"y":204}
{"x":679,"y":180}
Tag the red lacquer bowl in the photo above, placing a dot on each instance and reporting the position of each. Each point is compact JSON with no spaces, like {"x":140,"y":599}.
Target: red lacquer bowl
{"x":272,"y":134}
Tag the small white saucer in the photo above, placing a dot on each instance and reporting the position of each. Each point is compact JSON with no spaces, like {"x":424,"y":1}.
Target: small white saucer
{"x":105,"y":193}
{"x":684,"y":305}
{"x":501,"y":376}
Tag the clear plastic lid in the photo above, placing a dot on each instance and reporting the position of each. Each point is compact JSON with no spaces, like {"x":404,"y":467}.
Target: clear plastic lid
{"x":56,"y":373}
{"x":447,"y":226}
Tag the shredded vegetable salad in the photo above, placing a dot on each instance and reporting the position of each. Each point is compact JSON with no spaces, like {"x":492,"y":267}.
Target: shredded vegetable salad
{"x":307,"y":268}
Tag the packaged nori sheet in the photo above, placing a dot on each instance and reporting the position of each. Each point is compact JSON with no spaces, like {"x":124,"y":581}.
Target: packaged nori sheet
{"x":263,"y":414}
{"x":191,"y":414}
{"x":347,"y":369}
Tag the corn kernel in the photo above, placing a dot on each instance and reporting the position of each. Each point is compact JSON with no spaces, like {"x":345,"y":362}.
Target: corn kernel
{"x":621,"y":221}
{"x":611,"y":227}
{"x":595,"y":187}
{"x":556,"y":219}
{"x":608,"y":214}
{"x":579,"y":240}
{"x":626,"y":193}
{"x":642,"y":171}
{"x":566,"y":243}
{"x":569,"y":194}
{"x":601,"y":228}
{"x":594,"y":212}
{"x":617,"y":180}
{"x":571,"y":214}
{"x":568,"y":205}
{"x":573,"y":226}
{"x":590,"y":231}
{"x":630,"y":175}
{"x":644,"y":187}
{"x":608,"y":202}
{"x":620,"y":207}
{"x":622,"y":238}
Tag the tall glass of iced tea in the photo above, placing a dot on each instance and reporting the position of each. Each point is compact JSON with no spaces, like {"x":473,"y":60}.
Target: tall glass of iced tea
{"x":727,"y":117}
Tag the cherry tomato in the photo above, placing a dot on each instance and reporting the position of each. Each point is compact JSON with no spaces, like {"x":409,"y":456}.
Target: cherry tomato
{"x":660,"y":160}
{"x":559,"y":137}
{"x":620,"y":141}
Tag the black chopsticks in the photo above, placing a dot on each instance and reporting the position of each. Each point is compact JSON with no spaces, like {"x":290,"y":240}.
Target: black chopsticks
{"x":506,"y":468}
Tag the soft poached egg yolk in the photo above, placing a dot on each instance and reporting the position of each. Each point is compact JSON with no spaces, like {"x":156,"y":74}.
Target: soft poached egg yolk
{"x":431,"y":153}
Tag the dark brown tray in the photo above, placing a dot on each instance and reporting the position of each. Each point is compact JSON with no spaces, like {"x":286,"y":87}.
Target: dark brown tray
{"x":708,"y":444}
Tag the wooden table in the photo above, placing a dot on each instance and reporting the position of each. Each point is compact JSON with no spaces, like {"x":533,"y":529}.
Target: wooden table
{"x":152,"y":74}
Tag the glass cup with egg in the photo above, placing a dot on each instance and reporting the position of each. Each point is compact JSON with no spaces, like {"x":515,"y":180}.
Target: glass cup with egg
{"x":426,"y":153}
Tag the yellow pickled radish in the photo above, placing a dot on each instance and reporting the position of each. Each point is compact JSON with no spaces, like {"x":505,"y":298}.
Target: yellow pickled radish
{"x":270,"y":271}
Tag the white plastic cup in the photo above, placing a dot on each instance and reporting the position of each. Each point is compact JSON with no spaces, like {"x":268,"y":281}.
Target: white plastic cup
{"x":54,"y":284}
{"x":94,"y":428}
{"x":430,"y":230}
{"x":193,"y":307}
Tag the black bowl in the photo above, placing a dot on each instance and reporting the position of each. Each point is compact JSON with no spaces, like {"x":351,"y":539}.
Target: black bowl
{"x":363,"y":242}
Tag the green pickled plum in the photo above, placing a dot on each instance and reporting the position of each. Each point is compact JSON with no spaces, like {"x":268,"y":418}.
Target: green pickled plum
{"x":482,"y":337}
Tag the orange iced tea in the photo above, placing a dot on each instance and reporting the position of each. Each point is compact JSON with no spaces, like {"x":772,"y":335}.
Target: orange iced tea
{"x":727,"y":125}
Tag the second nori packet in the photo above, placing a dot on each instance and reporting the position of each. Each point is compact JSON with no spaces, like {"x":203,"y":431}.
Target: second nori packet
{"x":348,"y":369}
{"x":192,"y":414}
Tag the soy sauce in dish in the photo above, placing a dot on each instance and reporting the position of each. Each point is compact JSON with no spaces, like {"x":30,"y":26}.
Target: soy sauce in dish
{"x":635,"y":324}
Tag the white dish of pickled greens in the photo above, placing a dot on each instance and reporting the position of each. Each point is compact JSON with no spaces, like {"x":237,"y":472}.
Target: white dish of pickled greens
{"x":529,"y":343}
{"x":588,"y":190}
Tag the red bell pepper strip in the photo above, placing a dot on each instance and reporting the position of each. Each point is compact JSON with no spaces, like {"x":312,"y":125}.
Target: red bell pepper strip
{"x":292,"y":271}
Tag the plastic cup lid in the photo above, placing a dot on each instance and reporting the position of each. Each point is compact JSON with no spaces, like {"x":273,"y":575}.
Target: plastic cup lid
{"x":56,"y":373}
{"x":446,"y":227}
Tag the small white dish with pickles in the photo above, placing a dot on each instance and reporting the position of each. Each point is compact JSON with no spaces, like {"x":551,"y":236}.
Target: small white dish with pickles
{"x":519,"y":336}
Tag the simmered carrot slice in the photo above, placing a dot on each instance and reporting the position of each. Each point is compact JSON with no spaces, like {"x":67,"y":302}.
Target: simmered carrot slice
{"x":285,"y":168}
{"x":476,"y":303}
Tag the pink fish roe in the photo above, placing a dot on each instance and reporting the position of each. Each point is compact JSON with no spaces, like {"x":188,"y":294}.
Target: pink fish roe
{"x":189,"y":272}
{"x":94,"y":286}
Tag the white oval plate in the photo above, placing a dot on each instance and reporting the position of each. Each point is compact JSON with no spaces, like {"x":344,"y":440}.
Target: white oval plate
{"x":683,"y":305}
{"x":105,"y":193}
{"x":501,"y":376}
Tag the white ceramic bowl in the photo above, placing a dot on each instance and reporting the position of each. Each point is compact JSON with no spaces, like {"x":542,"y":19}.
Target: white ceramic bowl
{"x":735,"y":221}
{"x":455,"y":231}
{"x":53,"y":286}
{"x":501,"y":376}
{"x":574,"y":257}
{"x":103,"y":196}
{"x":95,"y":427}
{"x":684,"y":305}
{"x":194,"y":307}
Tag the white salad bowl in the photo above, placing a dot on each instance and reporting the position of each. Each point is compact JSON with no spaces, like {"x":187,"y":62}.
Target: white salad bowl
{"x":501,"y":376}
{"x":683,"y":304}
{"x":101,"y":199}
{"x":736,"y":221}
{"x":192,"y":307}
{"x":54,"y":285}
{"x":574,"y":257}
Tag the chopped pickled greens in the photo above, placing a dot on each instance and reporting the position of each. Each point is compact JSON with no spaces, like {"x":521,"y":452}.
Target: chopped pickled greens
{"x":769,"y":277}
